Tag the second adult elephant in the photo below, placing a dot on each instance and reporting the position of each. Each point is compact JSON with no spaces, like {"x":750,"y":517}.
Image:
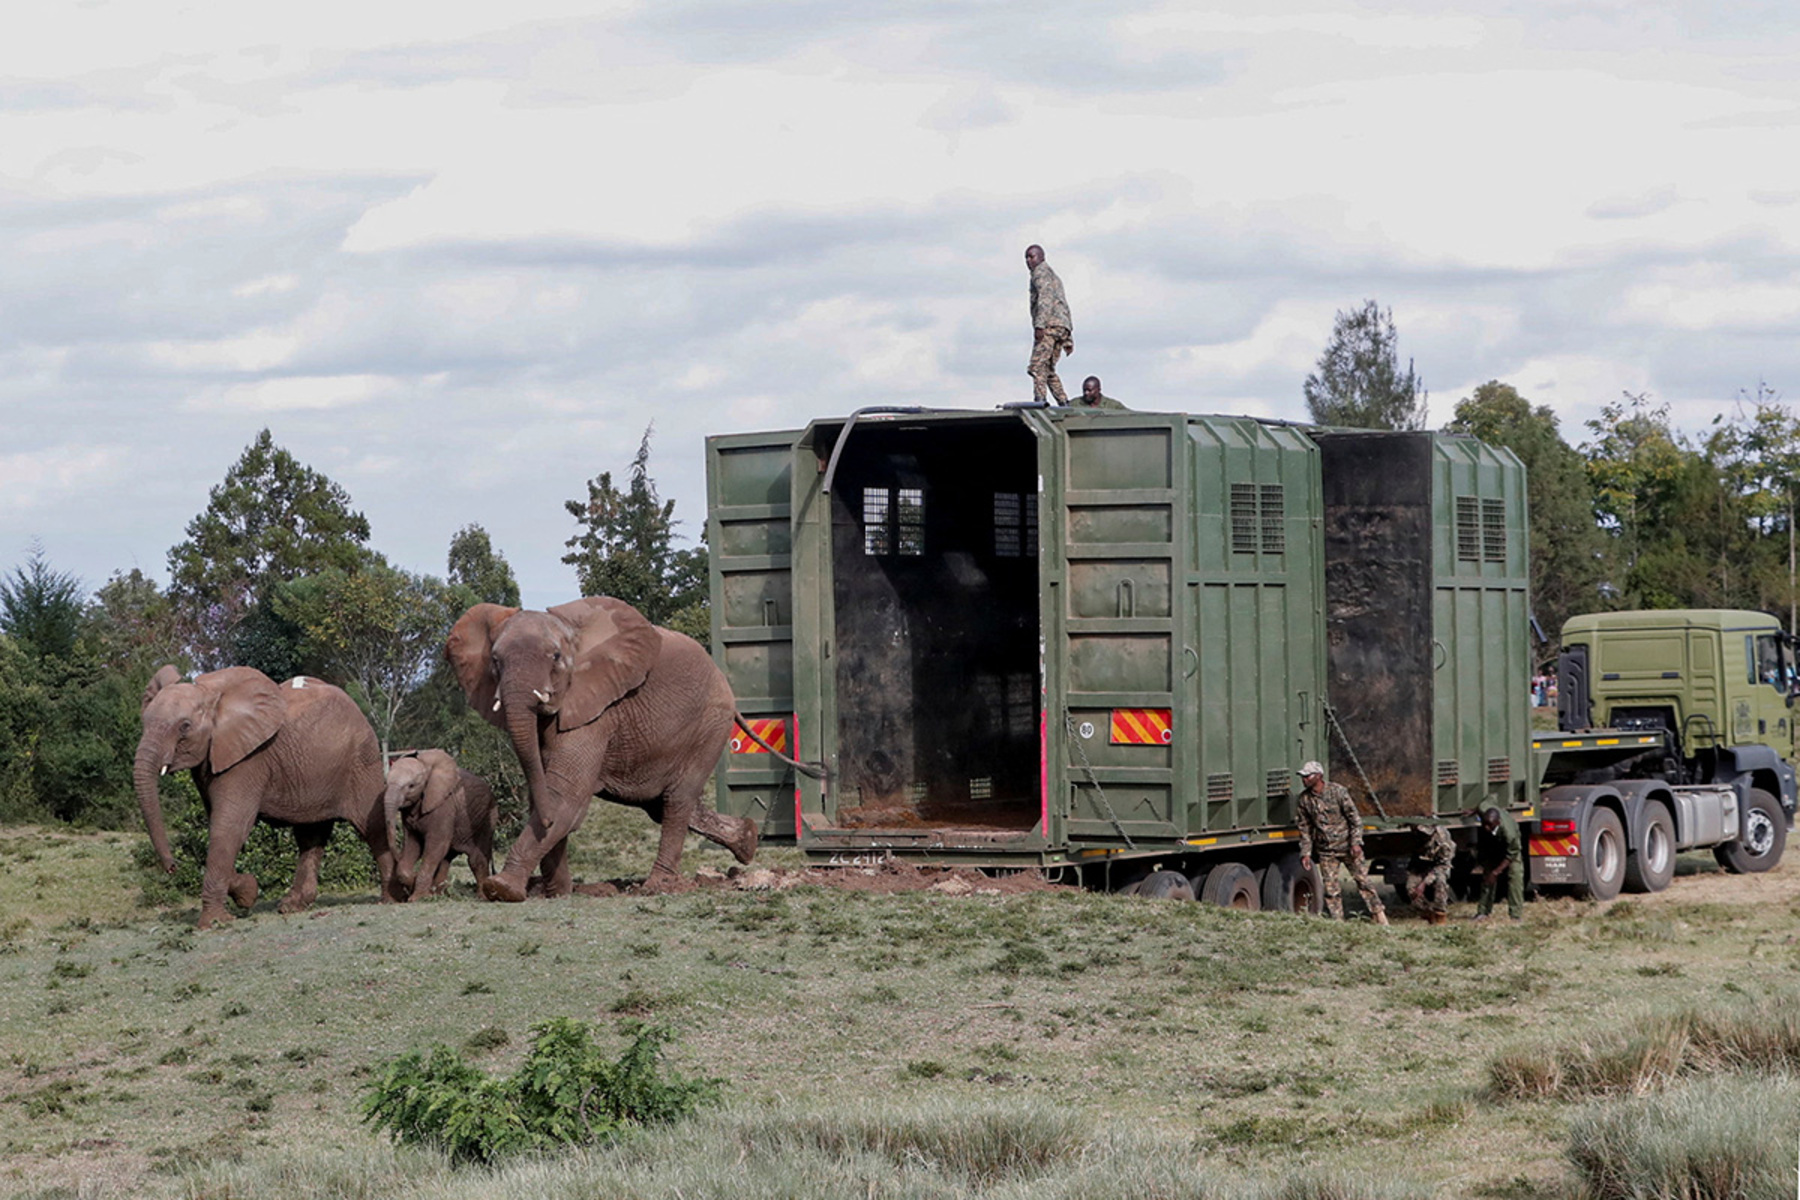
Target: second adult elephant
{"x":299,"y":754}
{"x":598,"y":701}
{"x":443,"y":811}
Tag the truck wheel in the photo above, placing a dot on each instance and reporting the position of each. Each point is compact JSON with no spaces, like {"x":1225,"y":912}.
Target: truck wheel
{"x":1651,"y":866}
{"x":1286,"y":888}
{"x":1166,"y":885}
{"x":1231,"y":885}
{"x":1603,"y":855}
{"x":1763,"y":837}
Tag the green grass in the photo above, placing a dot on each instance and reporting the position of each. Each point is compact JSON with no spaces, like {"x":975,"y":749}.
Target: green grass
{"x":1730,"y":1136}
{"x":1123,"y":1047}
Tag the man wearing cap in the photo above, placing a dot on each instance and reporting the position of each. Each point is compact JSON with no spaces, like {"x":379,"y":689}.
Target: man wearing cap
{"x":1330,"y":824}
{"x":1497,"y":853}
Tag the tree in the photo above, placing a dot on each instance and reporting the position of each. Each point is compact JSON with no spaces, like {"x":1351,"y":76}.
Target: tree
{"x":1359,"y":382}
{"x":377,"y":629}
{"x":134,"y":626}
{"x":626,"y":550}
{"x":1653,"y":498}
{"x":41,"y":608}
{"x":1760,"y":449}
{"x":271,"y":521}
{"x":475,"y":564}
{"x":1566,"y":546}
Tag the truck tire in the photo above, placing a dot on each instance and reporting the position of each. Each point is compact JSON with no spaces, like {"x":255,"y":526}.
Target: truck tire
{"x":1286,"y":888}
{"x":1603,"y":854}
{"x":1763,"y":837}
{"x":1651,"y":866}
{"x":1166,"y":885}
{"x":1231,"y":885}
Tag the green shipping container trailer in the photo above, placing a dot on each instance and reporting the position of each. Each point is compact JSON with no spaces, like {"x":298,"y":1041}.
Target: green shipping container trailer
{"x":1101,"y":642}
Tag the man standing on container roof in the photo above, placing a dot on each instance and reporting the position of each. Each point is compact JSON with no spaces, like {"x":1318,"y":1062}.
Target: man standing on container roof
{"x":1052,"y":329}
{"x":1330,"y":824}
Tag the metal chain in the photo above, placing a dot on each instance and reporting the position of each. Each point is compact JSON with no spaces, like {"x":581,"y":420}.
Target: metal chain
{"x":1069,"y":729}
{"x":1331,"y":715}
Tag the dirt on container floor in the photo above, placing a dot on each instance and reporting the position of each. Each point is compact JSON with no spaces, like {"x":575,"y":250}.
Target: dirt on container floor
{"x":885,"y":878}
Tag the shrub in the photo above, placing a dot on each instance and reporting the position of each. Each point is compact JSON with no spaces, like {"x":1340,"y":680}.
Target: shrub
{"x":565,"y":1092}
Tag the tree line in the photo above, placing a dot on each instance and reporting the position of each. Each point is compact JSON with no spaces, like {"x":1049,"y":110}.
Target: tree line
{"x":277,"y":572}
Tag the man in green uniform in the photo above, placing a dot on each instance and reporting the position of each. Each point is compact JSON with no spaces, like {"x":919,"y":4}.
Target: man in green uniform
{"x":1093,"y":397}
{"x":1052,"y":329}
{"x":1331,"y":827}
{"x":1498,"y":852}
{"x":1430,"y":888}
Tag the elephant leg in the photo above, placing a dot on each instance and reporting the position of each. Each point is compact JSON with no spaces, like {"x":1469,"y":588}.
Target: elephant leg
{"x":229,"y":826}
{"x":736,"y":834}
{"x":406,"y":869}
{"x":555,"y":866}
{"x":443,"y":874}
{"x":435,"y":863}
{"x":538,"y":840}
{"x":312,"y":839}
{"x":244,"y":890}
{"x":480,"y":864}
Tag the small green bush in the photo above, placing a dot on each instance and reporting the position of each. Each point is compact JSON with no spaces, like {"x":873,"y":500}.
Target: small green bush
{"x":566,"y":1092}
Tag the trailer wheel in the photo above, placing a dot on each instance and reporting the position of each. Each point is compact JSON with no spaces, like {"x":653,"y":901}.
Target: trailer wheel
{"x":1651,"y":866}
{"x":1231,"y":885}
{"x":1602,"y":855}
{"x":1760,"y":842}
{"x":1166,"y":885}
{"x":1286,"y":888}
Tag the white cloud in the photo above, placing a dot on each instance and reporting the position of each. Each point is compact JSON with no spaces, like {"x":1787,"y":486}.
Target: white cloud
{"x":35,"y":480}
{"x":284,"y":394}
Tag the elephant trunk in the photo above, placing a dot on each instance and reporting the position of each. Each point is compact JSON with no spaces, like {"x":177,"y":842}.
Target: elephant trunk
{"x":146,"y":770}
{"x":522,"y":728}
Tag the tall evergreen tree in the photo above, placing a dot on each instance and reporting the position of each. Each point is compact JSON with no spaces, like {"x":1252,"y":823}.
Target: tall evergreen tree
{"x":272,"y":520}
{"x":1359,"y":382}
{"x":476,"y":565}
{"x":626,"y":549}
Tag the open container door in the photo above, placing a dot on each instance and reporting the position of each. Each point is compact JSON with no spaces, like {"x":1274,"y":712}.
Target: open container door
{"x":749,"y":531}
{"x":918,"y":553}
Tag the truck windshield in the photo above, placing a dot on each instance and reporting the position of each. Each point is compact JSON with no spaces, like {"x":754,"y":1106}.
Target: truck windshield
{"x":1772,"y":663}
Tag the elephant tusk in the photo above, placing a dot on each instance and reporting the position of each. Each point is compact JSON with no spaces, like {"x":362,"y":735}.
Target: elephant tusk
{"x":164,"y":771}
{"x":543,"y":697}
{"x":496,"y":704}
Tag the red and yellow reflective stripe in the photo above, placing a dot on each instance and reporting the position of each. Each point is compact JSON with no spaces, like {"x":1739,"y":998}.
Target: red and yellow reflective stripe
{"x":1141,"y":727}
{"x":1556,"y":845}
{"x":772,"y":730}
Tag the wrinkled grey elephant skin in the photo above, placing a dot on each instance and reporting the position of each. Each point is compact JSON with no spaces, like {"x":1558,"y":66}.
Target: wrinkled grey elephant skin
{"x":299,"y":754}
{"x":443,"y":811}
{"x":598,"y":702}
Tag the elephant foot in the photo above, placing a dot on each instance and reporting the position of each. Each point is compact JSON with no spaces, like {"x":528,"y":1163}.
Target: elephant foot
{"x":660,"y":881}
{"x":499,"y":887}
{"x":244,"y":891}
{"x":210,"y":917}
{"x":291,"y":903}
{"x":743,"y":848}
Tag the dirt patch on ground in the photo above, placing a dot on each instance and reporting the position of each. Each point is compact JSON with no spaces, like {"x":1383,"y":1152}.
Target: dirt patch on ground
{"x":885,"y":878}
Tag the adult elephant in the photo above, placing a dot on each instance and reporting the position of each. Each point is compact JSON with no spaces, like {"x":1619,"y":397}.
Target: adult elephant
{"x":598,"y":701}
{"x":301,"y":754}
{"x":443,"y":811}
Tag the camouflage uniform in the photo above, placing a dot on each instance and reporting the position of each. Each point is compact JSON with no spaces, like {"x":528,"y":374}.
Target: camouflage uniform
{"x":1054,"y":332}
{"x":1103,"y":402}
{"x":1432,"y":888}
{"x":1330,"y":820}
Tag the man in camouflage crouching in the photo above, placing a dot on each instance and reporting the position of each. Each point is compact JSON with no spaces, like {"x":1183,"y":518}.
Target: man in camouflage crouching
{"x":1430,"y":889}
{"x":1331,"y":826}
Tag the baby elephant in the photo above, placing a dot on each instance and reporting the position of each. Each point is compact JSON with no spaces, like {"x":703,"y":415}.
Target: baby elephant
{"x":447,"y":811}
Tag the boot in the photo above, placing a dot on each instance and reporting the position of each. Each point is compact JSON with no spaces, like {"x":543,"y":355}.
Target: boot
{"x":1381,"y":918}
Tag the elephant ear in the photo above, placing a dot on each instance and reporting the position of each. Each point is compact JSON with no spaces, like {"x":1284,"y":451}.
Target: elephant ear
{"x":470,"y":649}
{"x":164,"y":676}
{"x":615,"y":649}
{"x":441,"y":780}
{"x":248,"y":711}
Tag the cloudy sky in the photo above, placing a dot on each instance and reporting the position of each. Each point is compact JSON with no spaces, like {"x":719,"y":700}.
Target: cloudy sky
{"x":457,"y":255}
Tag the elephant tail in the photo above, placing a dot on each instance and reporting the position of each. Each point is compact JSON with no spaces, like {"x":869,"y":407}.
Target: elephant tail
{"x":812,"y":770}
